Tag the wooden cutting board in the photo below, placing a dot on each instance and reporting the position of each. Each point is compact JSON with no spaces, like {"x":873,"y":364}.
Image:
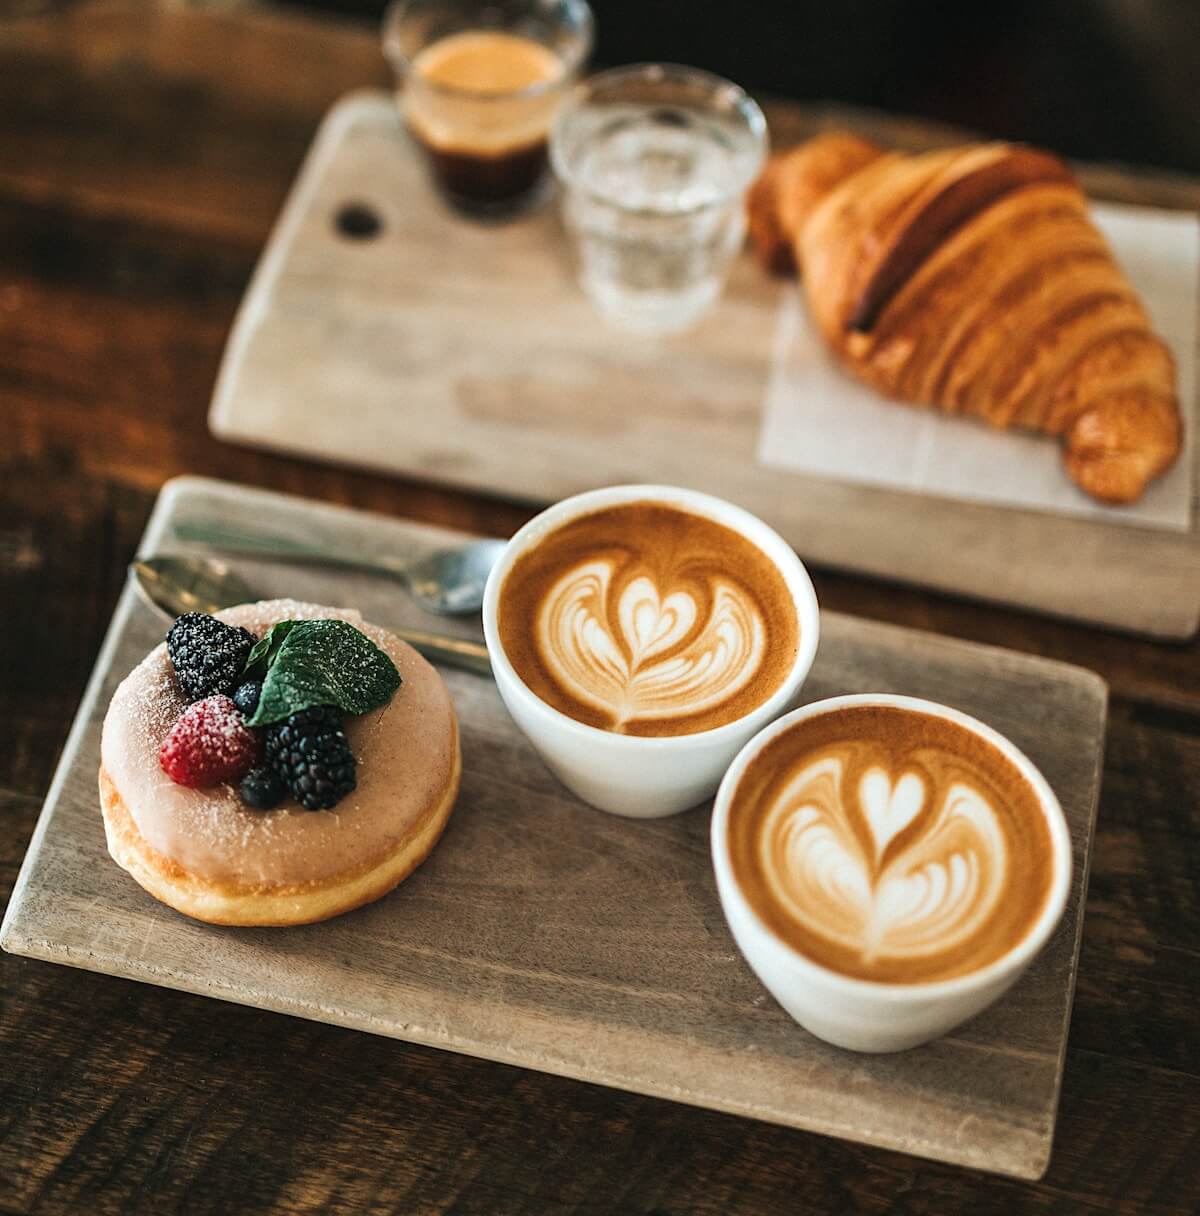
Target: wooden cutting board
{"x":544,"y":934}
{"x":465,"y":354}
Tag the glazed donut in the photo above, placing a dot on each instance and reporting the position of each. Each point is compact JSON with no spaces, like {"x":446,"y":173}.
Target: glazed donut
{"x":208,"y":855}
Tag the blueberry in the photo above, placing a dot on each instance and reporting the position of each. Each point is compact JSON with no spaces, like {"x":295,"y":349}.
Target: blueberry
{"x":246,"y":697}
{"x":262,"y":788}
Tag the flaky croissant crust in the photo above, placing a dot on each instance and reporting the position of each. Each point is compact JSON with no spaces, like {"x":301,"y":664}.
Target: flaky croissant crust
{"x":972,"y":280}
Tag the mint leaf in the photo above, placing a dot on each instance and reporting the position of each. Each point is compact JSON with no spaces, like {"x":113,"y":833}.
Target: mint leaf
{"x":325,"y":662}
{"x":265,"y":650}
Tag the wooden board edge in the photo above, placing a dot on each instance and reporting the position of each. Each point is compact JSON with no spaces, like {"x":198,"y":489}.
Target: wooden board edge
{"x":127,"y":603}
{"x":1180,"y":626}
{"x":1077,"y":944}
{"x":66,"y":762}
{"x":1018,"y":1163}
{"x":279,"y":239}
{"x":1004,"y":656}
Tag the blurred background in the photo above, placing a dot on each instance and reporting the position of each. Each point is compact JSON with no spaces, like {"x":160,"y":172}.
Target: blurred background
{"x":1093,"y":79}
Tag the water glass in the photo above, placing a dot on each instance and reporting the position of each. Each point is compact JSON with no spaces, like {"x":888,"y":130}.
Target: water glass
{"x":655,"y":161}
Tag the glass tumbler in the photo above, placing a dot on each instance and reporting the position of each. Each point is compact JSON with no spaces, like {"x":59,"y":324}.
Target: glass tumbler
{"x":479,"y":83}
{"x":655,"y":161}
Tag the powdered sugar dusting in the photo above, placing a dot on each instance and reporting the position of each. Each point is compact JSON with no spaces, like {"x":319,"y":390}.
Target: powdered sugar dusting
{"x":401,"y":748}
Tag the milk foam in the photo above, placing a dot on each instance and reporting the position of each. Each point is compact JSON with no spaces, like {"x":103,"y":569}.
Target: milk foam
{"x":893,"y":867}
{"x":645,"y":619}
{"x":649,"y":654}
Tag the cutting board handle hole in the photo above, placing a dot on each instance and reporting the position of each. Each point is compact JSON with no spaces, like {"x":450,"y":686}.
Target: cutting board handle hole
{"x":358,"y":221}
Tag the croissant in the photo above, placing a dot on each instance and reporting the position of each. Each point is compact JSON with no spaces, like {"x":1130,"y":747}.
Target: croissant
{"x":973,"y":280}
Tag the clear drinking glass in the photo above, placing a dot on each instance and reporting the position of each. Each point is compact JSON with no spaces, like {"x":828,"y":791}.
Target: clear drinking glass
{"x":655,"y":161}
{"x":479,"y":83}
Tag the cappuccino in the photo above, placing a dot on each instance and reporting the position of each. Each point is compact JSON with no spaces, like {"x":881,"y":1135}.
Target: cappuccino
{"x":890,"y":845}
{"x":644,"y":618}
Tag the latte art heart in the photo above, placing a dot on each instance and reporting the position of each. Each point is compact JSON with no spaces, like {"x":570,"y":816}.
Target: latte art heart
{"x":889,"y":807}
{"x":646,"y":619}
{"x":890,"y":845}
{"x":890,"y":869}
{"x":643,"y":653}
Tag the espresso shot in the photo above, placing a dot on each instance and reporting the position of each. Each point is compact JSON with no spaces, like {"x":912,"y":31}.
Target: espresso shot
{"x":479,"y":90}
{"x":480,"y":105}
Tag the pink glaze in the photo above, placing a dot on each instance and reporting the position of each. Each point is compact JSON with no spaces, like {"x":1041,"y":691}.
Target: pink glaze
{"x":404,"y":750}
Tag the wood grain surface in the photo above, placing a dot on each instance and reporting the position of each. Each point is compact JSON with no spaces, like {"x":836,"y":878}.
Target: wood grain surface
{"x":467,"y":354}
{"x":546,"y":934}
{"x":145,"y":156}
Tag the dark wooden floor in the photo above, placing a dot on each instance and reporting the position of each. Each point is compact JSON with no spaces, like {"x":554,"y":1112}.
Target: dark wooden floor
{"x":142,"y":159}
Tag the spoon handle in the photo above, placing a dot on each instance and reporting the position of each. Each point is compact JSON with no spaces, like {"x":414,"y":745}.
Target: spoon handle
{"x":454,"y":652}
{"x":266,"y":544}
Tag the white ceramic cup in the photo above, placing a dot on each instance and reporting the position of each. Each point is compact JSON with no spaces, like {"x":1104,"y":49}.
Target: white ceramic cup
{"x":865,"y":1015}
{"x":638,"y":776}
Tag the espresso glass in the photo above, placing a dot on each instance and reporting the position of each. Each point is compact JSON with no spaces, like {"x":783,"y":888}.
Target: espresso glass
{"x":485,"y":140}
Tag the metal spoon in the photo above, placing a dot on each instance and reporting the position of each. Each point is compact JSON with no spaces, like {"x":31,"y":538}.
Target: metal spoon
{"x":447,"y":581}
{"x":177,"y":584}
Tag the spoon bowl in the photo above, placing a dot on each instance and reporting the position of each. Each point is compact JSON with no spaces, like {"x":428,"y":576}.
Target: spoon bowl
{"x":176,"y":584}
{"x":451,"y":581}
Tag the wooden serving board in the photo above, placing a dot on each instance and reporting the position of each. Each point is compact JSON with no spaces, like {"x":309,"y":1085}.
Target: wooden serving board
{"x":465,"y":354}
{"x":551,"y":936}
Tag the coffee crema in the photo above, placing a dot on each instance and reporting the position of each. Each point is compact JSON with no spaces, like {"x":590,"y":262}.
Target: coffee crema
{"x":890,"y":845}
{"x":481,"y":102}
{"x":646,"y":619}
{"x":487,"y":61}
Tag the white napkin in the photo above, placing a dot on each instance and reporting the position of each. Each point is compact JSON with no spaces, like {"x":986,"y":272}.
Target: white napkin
{"x":817,"y":419}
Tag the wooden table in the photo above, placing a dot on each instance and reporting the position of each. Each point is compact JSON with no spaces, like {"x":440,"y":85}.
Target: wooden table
{"x":143,"y":155}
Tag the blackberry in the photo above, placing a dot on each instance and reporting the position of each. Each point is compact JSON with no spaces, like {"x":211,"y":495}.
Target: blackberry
{"x":208,"y":655}
{"x":262,"y":788}
{"x":311,"y":754}
{"x":246,"y":697}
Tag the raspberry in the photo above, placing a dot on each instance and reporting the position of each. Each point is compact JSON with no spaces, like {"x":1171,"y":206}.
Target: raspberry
{"x":209,"y":744}
{"x":207,"y":654}
{"x":311,"y":754}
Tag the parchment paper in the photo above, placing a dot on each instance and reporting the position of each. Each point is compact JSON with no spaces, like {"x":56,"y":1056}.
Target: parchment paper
{"x":818,"y":419}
